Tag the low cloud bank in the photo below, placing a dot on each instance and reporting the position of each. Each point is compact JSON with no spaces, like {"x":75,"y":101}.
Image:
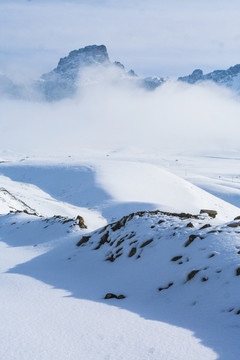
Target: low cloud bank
{"x":108,"y":114}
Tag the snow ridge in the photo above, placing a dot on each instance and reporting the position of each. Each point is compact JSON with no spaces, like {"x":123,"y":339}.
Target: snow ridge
{"x":178,"y":253}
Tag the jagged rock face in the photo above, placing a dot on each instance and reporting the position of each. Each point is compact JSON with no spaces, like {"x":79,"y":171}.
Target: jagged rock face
{"x":61,"y":82}
{"x":229,"y":77}
{"x":151,"y":83}
{"x":69,"y":66}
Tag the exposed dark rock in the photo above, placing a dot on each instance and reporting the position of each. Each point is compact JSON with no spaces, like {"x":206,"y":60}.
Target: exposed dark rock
{"x":191,"y":275}
{"x":119,"y":242}
{"x":133,"y":242}
{"x":113,"y":296}
{"x":175,"y":258}
{"x":238,"y":271}
{"x":83,"y":240}
{"x":237,"y":218}
{"x":67,"y":220}
{"x":238,"y":312}
{"x":119,"y":224}
{"x":211,"y":213}
{"x":80,"y":223}
{"x":234,"y":225}
{"x":103,"y":240}
{"x":111,"y":258}
{"x":204,"y":279}
{"x":132,"y":252}
{"x":146,"y":243}
{"x":166,"y":287}
{"x":212,"y":255}
{"x":190,"y":225}
{"x":190,"y":240}
{"x":30,"y":212}
{"x":103,"y":229}
{"x":131,"y":235}
{"x":205,"y":226}
{"x":121,"y":297}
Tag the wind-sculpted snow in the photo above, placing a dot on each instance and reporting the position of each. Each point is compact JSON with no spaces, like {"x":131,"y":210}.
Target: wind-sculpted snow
{"x":181,"y":255}
{"x":180,"y":270}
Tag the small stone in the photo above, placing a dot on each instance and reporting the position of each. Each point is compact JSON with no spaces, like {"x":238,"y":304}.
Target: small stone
{"x":190,"y":240}
{"x":205,"y":226}
{"x":113,"y":296}
{"x":211,"y":213}
{"x":111,"y":258}
{"x":121,"y":297}
{"x":204,"y":279}
{"x":166,"y":287}
{"x":175,"y":258}
{"x":191,"y":275}
{"x":234,"y":225}
{"x":190,"y":225}
{"x":110,"y":296}
{"x":146,"y":243}
{"x":83,"y":240}
{"x":238,"y":271}
{"x":132,"y":252}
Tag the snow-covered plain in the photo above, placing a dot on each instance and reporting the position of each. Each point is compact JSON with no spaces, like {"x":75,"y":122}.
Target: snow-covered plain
{"x":52,"y":292}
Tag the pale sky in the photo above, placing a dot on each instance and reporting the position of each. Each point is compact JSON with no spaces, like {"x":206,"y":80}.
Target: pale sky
{"x":166,"y":38}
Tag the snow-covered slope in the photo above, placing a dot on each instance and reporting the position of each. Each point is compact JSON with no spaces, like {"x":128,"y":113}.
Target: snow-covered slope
{"x":106,"y":187}
{"x":15,"y":195}
{"x":178,"y":277}
{"x":61,"y":284}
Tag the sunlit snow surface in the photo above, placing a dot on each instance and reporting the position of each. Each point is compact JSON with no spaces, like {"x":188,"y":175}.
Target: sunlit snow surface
{"x":52,"y":292}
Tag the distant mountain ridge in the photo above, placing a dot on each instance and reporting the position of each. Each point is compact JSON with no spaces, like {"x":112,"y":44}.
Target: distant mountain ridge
{"x":229,"y":78}
{"x":62,"y":82}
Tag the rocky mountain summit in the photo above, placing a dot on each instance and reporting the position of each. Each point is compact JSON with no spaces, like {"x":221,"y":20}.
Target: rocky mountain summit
{"x":229,"y":77}
{"x":62,"y":81}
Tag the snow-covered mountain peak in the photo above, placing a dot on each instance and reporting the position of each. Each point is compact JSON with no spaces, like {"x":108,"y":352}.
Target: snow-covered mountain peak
{"x":229,"y":77}
{"x":69,"y":66}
